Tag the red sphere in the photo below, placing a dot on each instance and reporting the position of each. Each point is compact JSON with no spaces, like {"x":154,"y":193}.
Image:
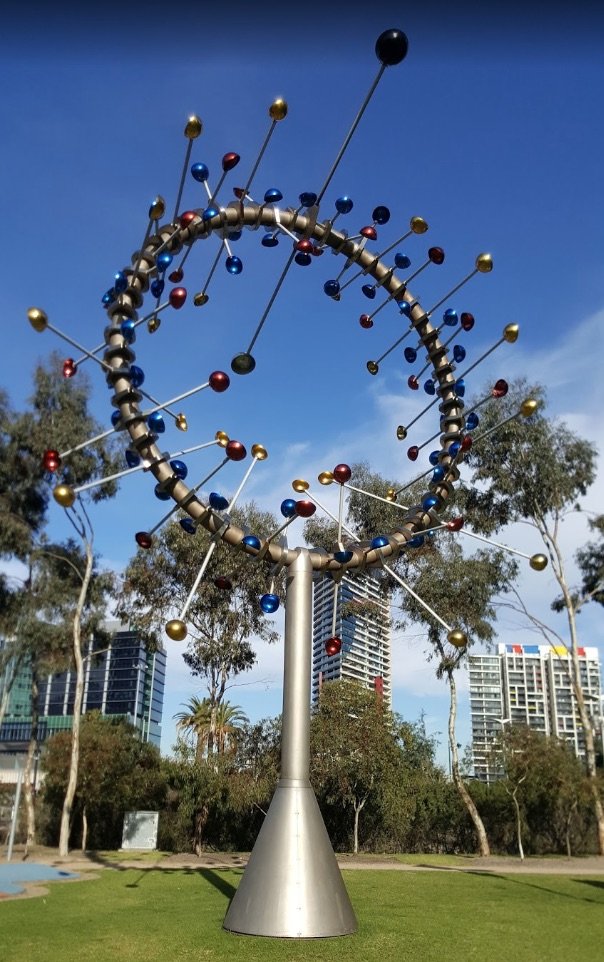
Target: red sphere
{"x":413,"y":452}
{"x":456,"y":524}
{"x":239,"y":192}
{"x":467,"y":321}
{"x":466,"y":444}
{"x":333,"y":646}
{"x":369,"y":232}
{"x":365,"y":321}
{"x":176,"y":276}
{"x":304,"y":245}
{"x":316,"y":251}
{"x":436,"y":255}
{"x":230,"y":160}
{"x":224,"y":583}
{"x":500,"y":388}
{"x":177,"y":297}
{"x":69,"y":367}
{"x":219,"y":381}
{"x":413,"y":382}
{"x":341,"y":473}
{"x":304,"y":509}
{"x":143,"y":539}
{"x":187,"y":218}
{"x":235,"y":450}
{"x":51,"y":460}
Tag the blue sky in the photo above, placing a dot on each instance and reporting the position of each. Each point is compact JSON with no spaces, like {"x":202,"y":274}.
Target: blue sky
{"x":491,"y":131}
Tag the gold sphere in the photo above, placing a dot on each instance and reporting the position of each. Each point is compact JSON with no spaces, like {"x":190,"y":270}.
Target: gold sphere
{"x":64,"y":495}
{"x":538,"y":562}
{"x":372,"y":367}
{"x":181,"y":422}
{"x":278,"y":109}
{"x":484,"y":263}
{"x":259,"y":452}
{"x":222,"y":438}
{"x":38,"y":319}
{"x":153,"y":324}
{"x":193,"y":127}
{"x":158,"y":208}
{"x":401,"y":433}
{"x":418,"y":225}
{"x":300,"y":486}
{"x":510,"y":333}
{"x":390,"y":494}
{"x":200,"y":299}
{"x":457,"y":638}
{"x":528,"y":407}
{"x":176,"y":629}
{"x":326,"y":477}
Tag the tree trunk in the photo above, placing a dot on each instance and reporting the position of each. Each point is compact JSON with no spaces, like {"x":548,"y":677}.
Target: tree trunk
{"x":29,"y":788}
{"x":77,"y":706}
{"x":357,"y":811}
{"x":84,"y":829}
{"x":468,"y":801}
{"x":518,"y":824}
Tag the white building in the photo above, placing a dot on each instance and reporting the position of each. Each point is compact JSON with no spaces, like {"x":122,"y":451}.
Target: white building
{"x":363,"y":628}
{"x":530,"y":685}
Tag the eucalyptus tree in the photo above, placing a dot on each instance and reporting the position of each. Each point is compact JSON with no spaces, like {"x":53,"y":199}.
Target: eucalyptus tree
{"x":537,"y":472}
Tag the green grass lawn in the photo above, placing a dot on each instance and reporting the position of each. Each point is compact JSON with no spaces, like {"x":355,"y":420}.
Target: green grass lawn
{"x":176,"y":916}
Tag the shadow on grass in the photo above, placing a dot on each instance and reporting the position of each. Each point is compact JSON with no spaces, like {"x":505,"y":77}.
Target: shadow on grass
{"x":590,"y":881}
{"x":517,"y":880}
{"x":214,"y":877}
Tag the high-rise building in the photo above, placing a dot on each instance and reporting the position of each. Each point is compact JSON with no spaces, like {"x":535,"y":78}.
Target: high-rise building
{"x":121,"y":679}
{"x":529,"y":685}
{"x":362,"y":623}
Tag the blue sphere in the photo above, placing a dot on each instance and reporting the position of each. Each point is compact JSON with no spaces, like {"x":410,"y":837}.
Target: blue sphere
{"x":269,"y":240}
{"x":272,"y":196}
{"x":235,"y":235}
{"x":454,"y":448}
{"x":459,"y":353}
{"x":308,"y":199}
{"x":188,"y":525}
{"x":156,"y":423}
{"x":218,"y":502}
{"x":331,"y":288}
{"x":434,"y":457}
{"x":405,"y":308}
{"x":380,"y":542}
{"x":108,"y":297}
{"x":410,"y":355}
{"x":402,"y":261}
{"x":303,"y":259}
{"x":160,"y":493}
{"x":288,"y":508}
{"x":234,"y":264}
{"x":200,"y":172}
{"x":460,"y":387}
{"x":430,"y":501}
{"x":132,"y":458}
{"x":450,"y":317}
{"x":251,"y":541}
{"x":128,"y":330}
{"x":157,"y":287}
{"x":180,"y":469}
{"x":137,"y":375}
{"x":472,"y":421}
{"x":269,"y":603}
{"x":344,"y":205}
{"x":429,"y":387}
{"x":121,"y":283}
{"x":115,"y":418}
{"x":342,"y":556}
{"x":164,"y":260}
{"x":381,"y":215}
{"x":369,"y":291}
{"x":416,"y":542}
{"x":438,"y":473}
{"x":210,"y":212}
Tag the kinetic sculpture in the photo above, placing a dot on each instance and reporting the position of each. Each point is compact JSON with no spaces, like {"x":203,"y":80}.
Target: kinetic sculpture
{"x":292,"y":886}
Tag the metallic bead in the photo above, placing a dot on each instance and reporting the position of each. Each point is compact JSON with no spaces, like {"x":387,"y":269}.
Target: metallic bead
{"x":259,"y":452}
{"x":436,"y":255}
{"x":222,"y":438}
{"x":128,"y":330}
{"x":326,"y":477}
{"x":484,"y":263}
{"x":418,"y":225}
{"x":180,"y":469}
{"x":176,"y":276}
{"x":467,"y":321}
{"x":181,"y":422}
{"x":528,"y":407}
{"x":333,"y":646}
{"x":402,"y":261}
{"x":500,"y":388}
{"x":217,"y":501}
{"x":510,"y":333}
{"x":278,"y":109}
{"x":303,"y":259}
{"x":137,"y":375}
{"x":234,"y":264}
{"x":143,"y":539}
{"x":200,"y":172}
{"x":300,"y":485}
{"x":230,"y":160}
{"x":187,"y":218}
{"x":200,"y":298}
{"x":472,"y":421}
{"x":157,"y":208}
{"x":305,"y":509}
{"x":460,"y":387}
{"x":434,"y":458}
{"x":164,"y":260}
{"x":372,"y":367}
{"x":369,"y":233}
{"x":115,"y":418}
{"x":365,"y":321}
{"x":177,"y":297}
{"x":188,"y":525}
{"x":157,"y":287}
{"x":156,"y":423}
{"x":410,"y":355}
{"x":466,"y":443}
{"x":270,"y":240}
{"x":344,"y":205}
{"x":176,"y":629}
{"x":457,"y":638}
{"x":308,"y":199}
{"x":391,"y":47}
{"x":381,"y":214}
{"x":269,"y":603}
{"x":438,"y":473}
{"x":413,"y":382}
{"x":160,"y":493}
{"x":381,"y":541}
{"x":51,"y":460}
{"x":401,"y":433}
{"x":450,"y":317}
{"x":331,"y":288}
{"x":416,"y":542}
{"x":243,"y":363}
{"x":430,"y":501}
{"x":219,"y":381}
{"x":272,"y":196}
{"x":342,"y":557}
{"x":455,"y":524}
{"x":454,"y":448}
{"x":210,"y":212}
{"x":391,"y":494}
{"x":369,"y":291}
{"x":235,"y":451}
{"x":459,"y":353}
{"x":69,"y":367}
{"x":193,"y":127}
{"x":288,"y":508}
{"x":251,"y":541}
{"x":64,"y":495}
{"x":132,"y":458}
{"x":538,"y":562}
{"x":223,"y":583}
{"x":342,"y":473}
{"x":429,"y":387}
{"x":405,"y":307}
{"x":413,"y":452}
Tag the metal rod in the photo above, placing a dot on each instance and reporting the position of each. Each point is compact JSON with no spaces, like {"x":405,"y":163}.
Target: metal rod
{"x":295,"y":738}
{"x":271,"y":301}
{"x":413,"y":594}
{"x":182,"y":178}
{"x":259,"y":157}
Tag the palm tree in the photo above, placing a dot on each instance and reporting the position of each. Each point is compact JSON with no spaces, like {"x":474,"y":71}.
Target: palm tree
{"x":214,"y":728}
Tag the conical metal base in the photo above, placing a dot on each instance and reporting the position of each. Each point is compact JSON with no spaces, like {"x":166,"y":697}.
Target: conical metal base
{"x":292,"y":886}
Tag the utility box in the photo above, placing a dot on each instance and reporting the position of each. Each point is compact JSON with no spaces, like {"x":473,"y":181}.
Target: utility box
{"x":140,"y":831}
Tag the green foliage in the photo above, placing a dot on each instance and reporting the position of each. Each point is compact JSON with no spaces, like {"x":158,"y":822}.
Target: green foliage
{"x":590,"y":560}
{"x":117,"y":774}
{"x":213,"y":728}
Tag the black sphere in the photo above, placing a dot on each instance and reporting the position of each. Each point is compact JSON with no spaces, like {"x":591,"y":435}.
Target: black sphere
{"x":391,"y":47}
